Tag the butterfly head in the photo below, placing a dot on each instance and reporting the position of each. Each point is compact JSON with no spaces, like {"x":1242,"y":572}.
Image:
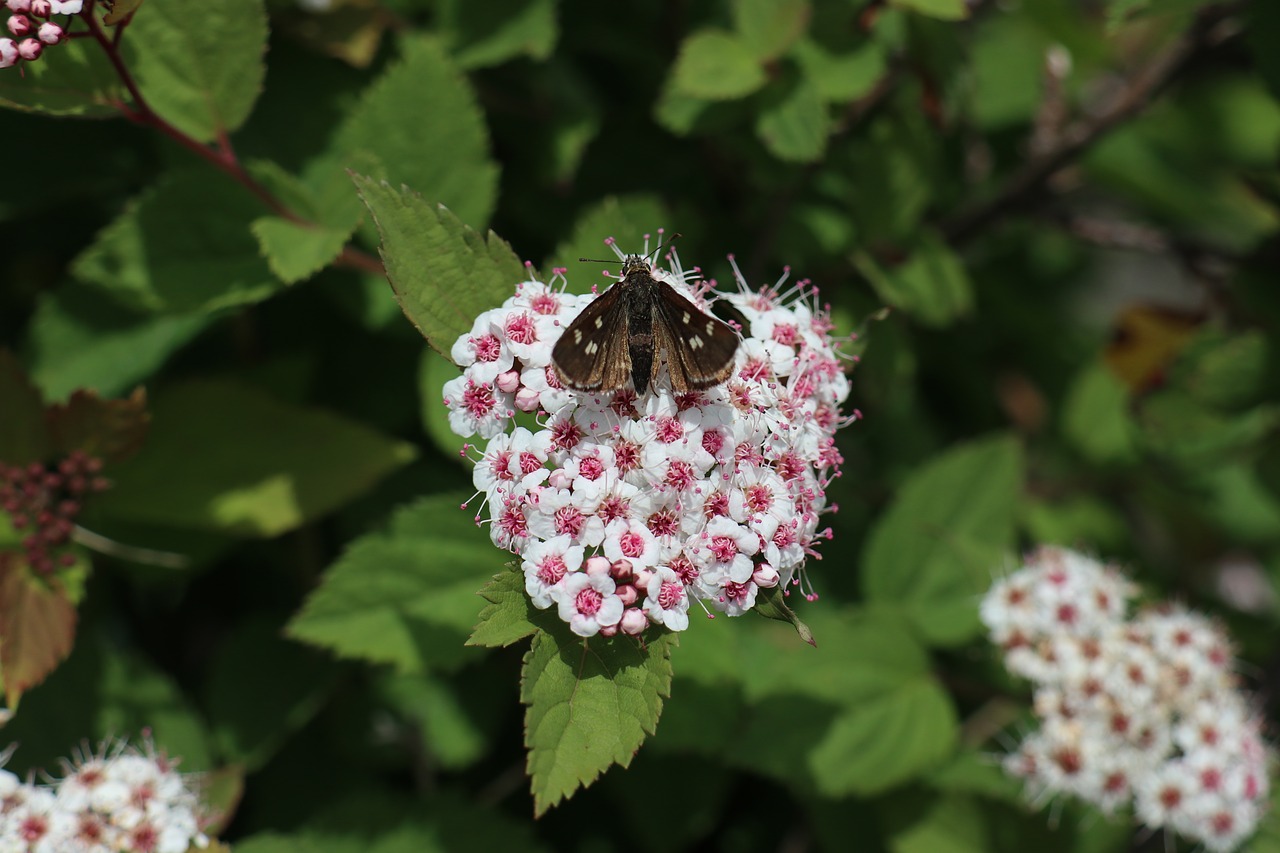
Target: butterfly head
{"x":635,"y":263}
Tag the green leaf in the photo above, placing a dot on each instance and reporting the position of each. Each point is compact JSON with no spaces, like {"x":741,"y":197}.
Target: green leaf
{"x":795,"y":129}
{"x":953,"y":824}
{"x":625,"y":218}
{"x":1261,"y":31}
{"x":841,"y":77}
{"x":771,"y":604}
{"x":716,"y":65}
{"x":297,"y":251}
{"x":885,"y":741}
{"x":1178,"y":427}
{"x":932,"y":285}
{"x":199,"y":66}
{"x":444,"y":274}
{"x":591,"y":704}
{"x":934,"y":551}
{"x":74,"y":78}
{"x":407,"y":596}
{"x":770,"y":27}
{"x":1095,"y":416}
{"x":1240,"y":504}
{"x":227,"y":457}
{"x":81,"y":338}
{"x":24,"y":437}
{"x":290,"y":683}
{"x":1223,"y":371}
{"x":421,"y":122}
{"x":947,"y":10}
{"x":457,"y":720}
{"x":183,"y":246}
{"x":484,"y":34}
{"x":505,"y":618}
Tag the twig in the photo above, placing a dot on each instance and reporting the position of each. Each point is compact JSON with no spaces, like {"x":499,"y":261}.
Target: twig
{"x":1027,"y":182}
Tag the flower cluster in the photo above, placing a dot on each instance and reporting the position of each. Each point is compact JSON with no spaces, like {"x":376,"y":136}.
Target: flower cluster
{"x":42,"y":504}
{"x":32,"y":30}
{"x":119,"y":798}
{"x":625,"y":510}
{"x":1140,"y":709}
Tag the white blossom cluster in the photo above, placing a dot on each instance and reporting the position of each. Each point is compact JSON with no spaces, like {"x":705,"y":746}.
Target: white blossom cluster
{"x":119,"y":799}
{"x":1142,"y":709}
{"x":623,"y":511}
{"x":31,"y":30}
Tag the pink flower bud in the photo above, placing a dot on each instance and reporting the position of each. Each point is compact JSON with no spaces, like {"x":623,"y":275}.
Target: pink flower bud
{"x":765,"y":576}
{"x":597,"y":566}
{"x":634,"y":621}
{"x":30,"y":49}
{"x":41,"y":8}
{"x":643,"y":576}
{"x":50,"y":33}
{"x":19,"y":5}
{"x":509,"y":381}
{"x":559,"y":479}
{"x":622,"y":570}
{"x":608,"y":630}
{"x":8,"y":52}
{"x":526,"y":399}
{"x":19,"y":25}
{"x":628,"y":594}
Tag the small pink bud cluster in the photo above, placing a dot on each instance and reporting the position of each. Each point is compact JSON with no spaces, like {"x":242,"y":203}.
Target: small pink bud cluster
{"x":1142,"y":709}
{"x":626,"y":510}
{"x":119,"y":798}
{"x":31,"y":30}
{"x":42,"y":503}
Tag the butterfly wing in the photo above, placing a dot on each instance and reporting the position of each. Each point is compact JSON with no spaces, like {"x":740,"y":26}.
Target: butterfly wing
{"x":698,"y":348}
{"x":592,"y":354}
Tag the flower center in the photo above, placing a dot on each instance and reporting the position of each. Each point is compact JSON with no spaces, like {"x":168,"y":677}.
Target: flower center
{"x":588,"y":602}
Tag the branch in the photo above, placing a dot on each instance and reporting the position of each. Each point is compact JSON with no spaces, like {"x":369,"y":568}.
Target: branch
{"x":1206,"y":32}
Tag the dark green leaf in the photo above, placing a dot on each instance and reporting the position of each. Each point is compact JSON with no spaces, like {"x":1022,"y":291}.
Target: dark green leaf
{"x":796,"y":128}
{"x":24,"y":437}
{"x":74,"y":78}
{"x":297,"y":251}
{"x":770,"y":27}
{"x":483,"y":34}
{"x":716,"y":65}
{"x":505,"y":618}
{"x":224,"y":456}
{"x":931,"y":285}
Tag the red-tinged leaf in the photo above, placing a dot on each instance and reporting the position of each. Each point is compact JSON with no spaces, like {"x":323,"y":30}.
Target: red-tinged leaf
{"x":37,"y":628}
{"x":112,"y":430}
{"x":23,"y":436}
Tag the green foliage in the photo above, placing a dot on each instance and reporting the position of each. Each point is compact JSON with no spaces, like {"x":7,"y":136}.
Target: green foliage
{"x":429,"y":253}
{"x":1065,"y":217}
{"x":591,"y":703}
{"x":406,"y":597}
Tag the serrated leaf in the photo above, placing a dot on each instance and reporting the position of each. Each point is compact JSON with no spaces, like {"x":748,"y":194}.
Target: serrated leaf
{"x":439,"y":147}
{"x":23,"y":435}
{"x":795,"y":129}
{"x":183,"y":246}
{"x":931,"y":285}
{"x":37,"y":627}
{"x":406,"y":597}
{"x":946,"y":10}
{"x":505,"y":619}
{"x":484,"y":34}
{"x":81,"y":338}
{"x":933,"y":552}
{"x":770,"y":27}
{"x":444,"y":274}
{"x":771,"y":604}
{"x":227,"y":457}
{"x":716,"y":65}
{"x":76,"y":80}
{"x":886,"y":741}
{"x":296,"y":251}
{"x":591,"y":704}
{"x":112,"y":430}
{"x":199,"y":65}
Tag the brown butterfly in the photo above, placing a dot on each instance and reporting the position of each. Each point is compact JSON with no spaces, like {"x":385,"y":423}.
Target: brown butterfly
{"x":634,"y":326}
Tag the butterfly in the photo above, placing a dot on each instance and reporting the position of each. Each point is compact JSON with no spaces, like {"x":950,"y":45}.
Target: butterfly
{"x":628,"y":331}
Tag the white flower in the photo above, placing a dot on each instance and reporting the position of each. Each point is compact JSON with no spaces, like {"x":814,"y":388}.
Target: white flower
{"x":588,"y":602}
